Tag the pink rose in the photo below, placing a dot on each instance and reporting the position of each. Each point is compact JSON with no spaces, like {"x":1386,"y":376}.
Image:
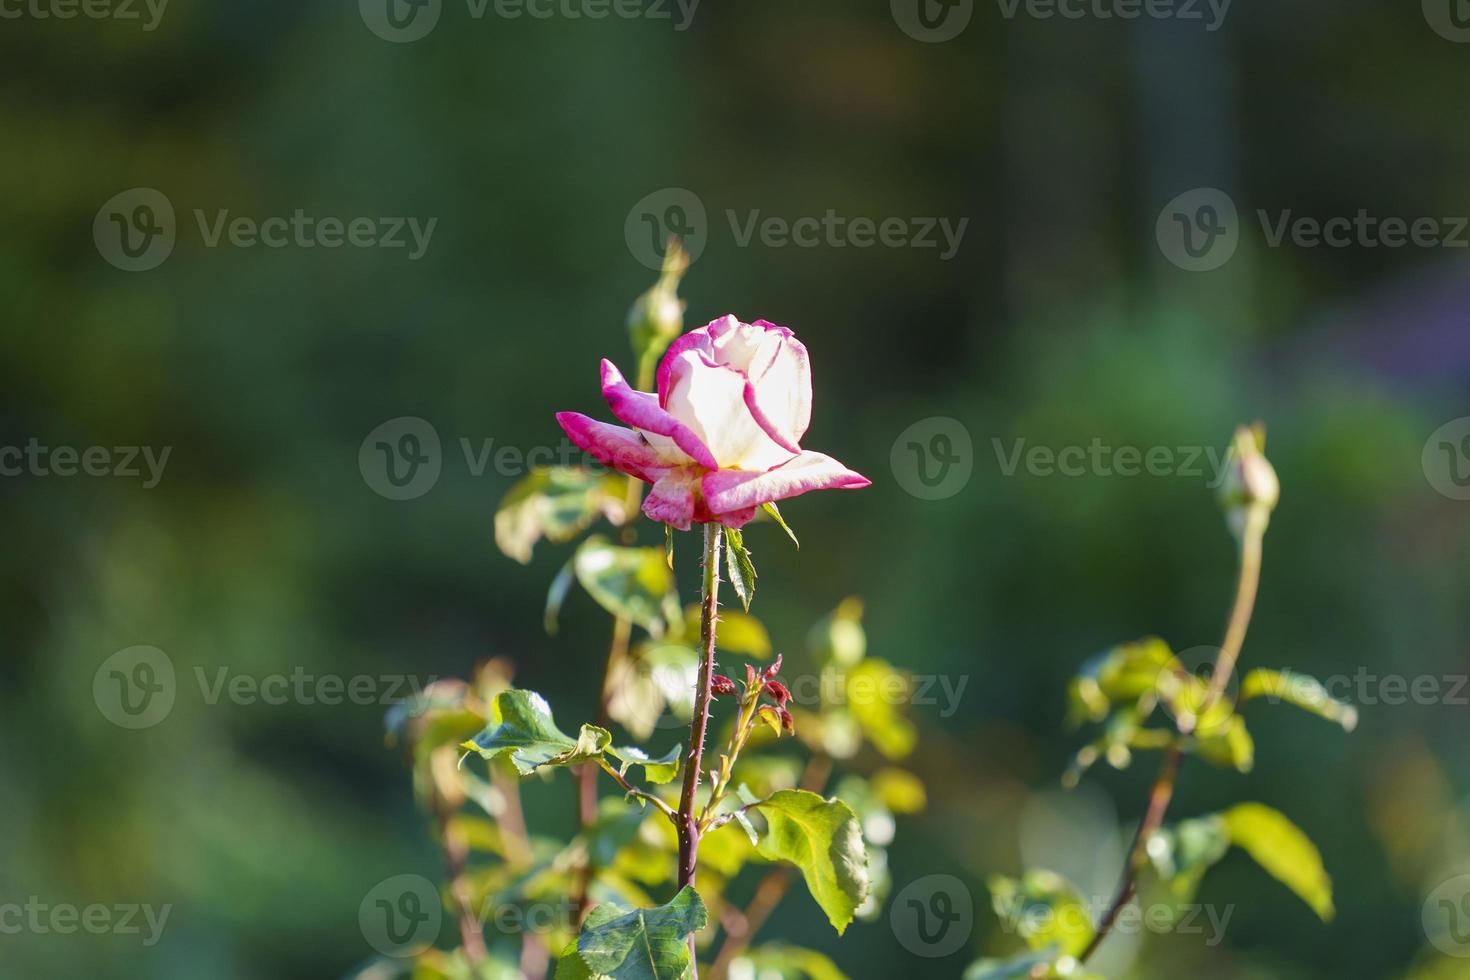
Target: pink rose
{"x":721,"y":436}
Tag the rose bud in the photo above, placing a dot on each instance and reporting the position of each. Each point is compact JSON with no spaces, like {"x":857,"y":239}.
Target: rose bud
{"x":722,"y":433}
{"x":750,"y":676}
{"x":775,"y":668}
{"x":721,"y":684}
{"x":1249,"y":489}
{"x":777,"y":692}
{"x":787,"y":722}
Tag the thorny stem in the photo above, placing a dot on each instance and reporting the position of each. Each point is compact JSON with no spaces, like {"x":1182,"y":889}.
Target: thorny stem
{"x":688,"y":824}
{"x":772,"y":887}
{"x":1252,"y":531}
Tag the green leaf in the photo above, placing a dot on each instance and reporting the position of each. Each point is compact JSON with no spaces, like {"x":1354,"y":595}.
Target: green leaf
{"x":838,"y":639}
{"x":740,"y":567}
{"x":1228,"y":745}
{"x":774,"y":513}
{"x":823,"y":839}
{"x":557,"y":503}
{"x":1044,"y":909}
{"x":669,"y":546}
{"x":1121,"y":675}
{"x":1020,"y":967}
{"x":736,"y":632}
{"x":874,"y":690}
{"x":1298,"y":689}
{"x":556,"y":594}
{"x":1281,"y":848}
{"x":523,"y":728}
{"x":1181,"y":855}
{"x":779,"y":961}
{"x":635,"y":583}
{"x":657,"y":771}
{"x":901,"y":791}
{"x":641,"y":944}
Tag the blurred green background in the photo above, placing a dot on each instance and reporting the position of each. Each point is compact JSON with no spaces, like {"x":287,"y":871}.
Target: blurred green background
{"x":1060,"y":320}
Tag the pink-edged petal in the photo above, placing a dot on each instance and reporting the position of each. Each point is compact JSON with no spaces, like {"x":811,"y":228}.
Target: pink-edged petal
{"x":612,"y":445}
{"x":737,"y":518}
{"x":672,"y":499}
{"x":693,"y":340}
{"x":710,"y":399}
{"x":642,"y":411}
{"x":781,"y":386}
{"x":734,"y":490}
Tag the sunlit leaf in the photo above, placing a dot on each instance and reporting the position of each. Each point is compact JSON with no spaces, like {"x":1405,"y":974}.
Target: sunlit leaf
{"x":739,"y":567}
{"x":656,"y":770}
{"x":632,"y":582}
{"x":1298,"y":689}
{"x":524,"y":730}
{"x":823,"y":839}
{"x":901,"y":791}
{"x":557,"y":503}
{"x":778,"y":961}
{"x":838,"y":639}
{"x":774,"y":513}
{"x":1044,"y":909}
{"x":736,"y":632}
{"x":875,"y":694}
{"x":1280,"y":847}
{"x":641,"y":944}
{"x":1228,"y":745}
{"x":1121,"y":675}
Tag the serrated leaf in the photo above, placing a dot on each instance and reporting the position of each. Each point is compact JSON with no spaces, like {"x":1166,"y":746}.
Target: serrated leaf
{"x":635,"y":583}
{"x":557,"y":503}
{"x":1301,"y":690}
{"x":523,"y":729}
{"x":739,"y":566}
{"x":774,"y":513}
{"x":1044,"y":909}
{"x":656,"y":770}
{"x":637,"y":944}
{"x":1280,"y":847}
{"x":823,"y":839}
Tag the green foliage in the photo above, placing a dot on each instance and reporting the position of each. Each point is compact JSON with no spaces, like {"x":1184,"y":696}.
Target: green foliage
{"x":739,"y":566}
{"x":1300,"y":690}
{"x":774,"y":513}
{"x":1280,"y":847}
{"x":556,"y":503}
{"x":779,"y":961}
{"x":1044,"y":909}
{"x":523,"y":729}
{"x":823,"y":839}
{"x":656,"y":770}
{"x":641,"y":944}
{"x":635,"y":583}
